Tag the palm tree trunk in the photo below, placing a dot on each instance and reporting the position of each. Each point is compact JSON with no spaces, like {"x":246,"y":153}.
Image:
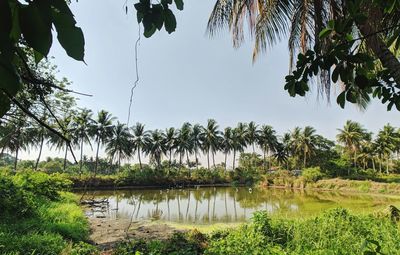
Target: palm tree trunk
{"x":16,"y":159}
{"x":234,"y":159}
{"x":226,"y":155}
{"x":213,"y":154}
{"x":80,"y":163}
{"x":373,"y":164}
{"x":65,"y":156}
{"x":170,"y":157}
{"x":208,"y":159}
{"x":140,"y":161}
{"x":375,"y":43}
{"x":305,"y":159}
{"x":197,"y":159}
{"x":40,"y":150}
{"x":265,"y":159}
{"x":119,"y":161}
{"x":187,"y":158}
{"x":387,"y":165}
{"x":97,"y":156}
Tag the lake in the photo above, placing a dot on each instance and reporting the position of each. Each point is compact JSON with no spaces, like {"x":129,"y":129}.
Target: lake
{"x":210,"y":205}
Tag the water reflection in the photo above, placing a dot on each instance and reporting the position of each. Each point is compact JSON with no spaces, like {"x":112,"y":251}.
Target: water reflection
{"x":227,"y":204}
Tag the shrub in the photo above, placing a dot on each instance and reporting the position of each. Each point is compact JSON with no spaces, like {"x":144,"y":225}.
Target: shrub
{"x":312,"y":174}
{"x":42,"y":184}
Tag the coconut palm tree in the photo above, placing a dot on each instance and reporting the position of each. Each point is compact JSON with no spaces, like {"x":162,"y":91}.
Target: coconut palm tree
{"x":211,"y":140}
{"x":196,"y":141}
{"x":252,"y":134}
{"x":83,"y":123}
{"x":281,"y":154}
{"x":67,"y":130}
{"x":226,"y":143}
{"x":183,"y":142}
{"x":307,"y":143}
{"x":170,"y":142}
{"x":239,"y":141}
{"x":19,"y":135}
{"x":119,"y":145}
{"x":140,"y":136}
{"x":387,"y":139}
{"x":267,"y":141}
{"x":155,"y":146}
{"x":101,"y":131}
{"x":301,"y":23}
{"x":351,"y":137}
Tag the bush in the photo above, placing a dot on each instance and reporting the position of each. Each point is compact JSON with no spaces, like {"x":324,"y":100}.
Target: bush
{"x":312,"y":174}
{"x":42,"y":184}
{"x":13,"y":200}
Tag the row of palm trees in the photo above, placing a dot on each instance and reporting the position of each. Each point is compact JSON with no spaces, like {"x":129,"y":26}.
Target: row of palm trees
{"x":191,"y":141}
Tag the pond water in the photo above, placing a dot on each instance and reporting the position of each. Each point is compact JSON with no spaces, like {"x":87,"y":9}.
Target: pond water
{"x":210,"y":205}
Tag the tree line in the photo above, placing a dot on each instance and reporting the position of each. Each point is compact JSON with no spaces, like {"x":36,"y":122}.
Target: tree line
{"x":296,"y":149}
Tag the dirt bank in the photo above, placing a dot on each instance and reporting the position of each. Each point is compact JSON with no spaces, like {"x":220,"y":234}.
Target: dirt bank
{"x":106,"y":233}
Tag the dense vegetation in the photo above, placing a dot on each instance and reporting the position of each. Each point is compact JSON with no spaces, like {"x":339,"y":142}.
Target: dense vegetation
{"x":334,"y":232}
{"x":38,"y":217}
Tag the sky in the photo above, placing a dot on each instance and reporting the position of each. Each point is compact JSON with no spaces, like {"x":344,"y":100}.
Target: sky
{"x":188,"y":76}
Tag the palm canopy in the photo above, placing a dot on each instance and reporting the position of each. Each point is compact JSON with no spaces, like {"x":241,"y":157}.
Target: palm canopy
{"x":119,"y":144}
{"x":155,"y":146}
{"x":301,"y":22}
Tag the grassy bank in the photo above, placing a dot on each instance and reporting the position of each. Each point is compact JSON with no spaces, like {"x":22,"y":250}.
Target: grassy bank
{"x":334,"y":232}
{"x":37,"y":217}
{"x":313,"y":179}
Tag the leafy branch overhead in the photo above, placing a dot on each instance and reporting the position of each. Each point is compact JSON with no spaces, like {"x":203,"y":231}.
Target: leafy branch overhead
{"x":26,"y":26}
{"x":155,"y":16}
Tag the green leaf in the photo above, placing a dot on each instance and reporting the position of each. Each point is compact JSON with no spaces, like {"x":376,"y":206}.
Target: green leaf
{"x":36,"y":28}
{"x":9,"y":79}
{"x":70,"y":36}
{"x":341,"y":99}
{"x":5,"y":104}
{"x":148,"y":32}
{"x":179,"y":4}
{"x":325,"y":32}
{"x":169,"y":21}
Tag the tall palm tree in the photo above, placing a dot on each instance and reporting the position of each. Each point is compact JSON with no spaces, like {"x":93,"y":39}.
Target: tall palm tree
{"x":83,"y":124}
{"x":41,"y":134}
{"x":252,"y":134}
{"x":19,"y":135}
{"x":239,"y":141}
{"x":387,"y":139}
{"x":155,"y":146}
{"x":351,"y":136}
{"x":170,"y":142}
{"x":140,"y":136}
{"x":301,"y":22}
{"x":307,"y":143}
{"x":211,"y":139}
{"x":67,"y":130}
{"x":196,"y":141}
{"x":267,"y":141}
{"x":101,"y":131}
{"x":183,"y":142}
{"x":119,"y":145}
{"x":227,"y":143}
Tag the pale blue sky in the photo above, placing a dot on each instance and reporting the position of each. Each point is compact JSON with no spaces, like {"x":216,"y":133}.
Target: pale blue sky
{"x":187,"y":76}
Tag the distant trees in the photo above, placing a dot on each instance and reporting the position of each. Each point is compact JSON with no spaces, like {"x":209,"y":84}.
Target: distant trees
{"x":299,"y":148}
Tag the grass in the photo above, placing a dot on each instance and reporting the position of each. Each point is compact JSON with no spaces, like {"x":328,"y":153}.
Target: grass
{"x":335,"y":231}
{"x":51,"y":229}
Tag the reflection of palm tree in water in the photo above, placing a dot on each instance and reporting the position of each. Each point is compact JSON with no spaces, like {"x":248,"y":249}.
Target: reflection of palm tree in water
{"x":179,"y":207}
{"x":215,"y":196}
{"x":187,"y":208}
